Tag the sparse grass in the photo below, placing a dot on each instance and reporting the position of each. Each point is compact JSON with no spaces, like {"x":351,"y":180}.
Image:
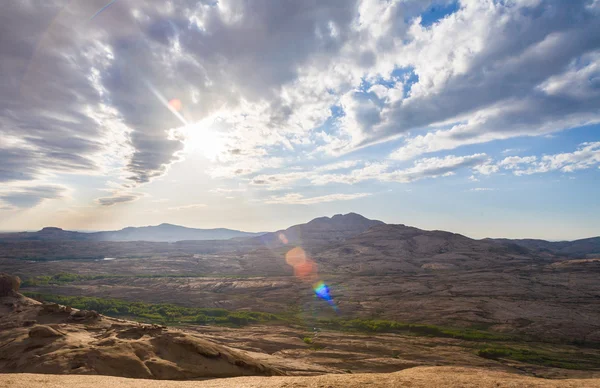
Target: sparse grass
{"x":64,"y":278}
{"x":162,"y":313}
{"x":543,"y":357}
{"x":385,"y":326}
{"x":307,"y":340}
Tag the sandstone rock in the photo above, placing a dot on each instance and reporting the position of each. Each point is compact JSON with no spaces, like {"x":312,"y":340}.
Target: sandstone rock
{"x":84,"y":315}
{"x":140,"y":331}
{"x":42,"y":331}
{"x":9,"y":284}
{"x":50,"y":308}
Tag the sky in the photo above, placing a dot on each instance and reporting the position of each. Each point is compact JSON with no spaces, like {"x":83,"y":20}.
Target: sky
{"x":480,"y":117}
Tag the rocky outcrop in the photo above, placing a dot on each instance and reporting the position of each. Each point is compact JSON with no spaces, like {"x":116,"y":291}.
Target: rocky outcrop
{"x":55,"y":339}
{"x":84,"y":315}
{"x":9,"y":285}
{"x":42,"y":331}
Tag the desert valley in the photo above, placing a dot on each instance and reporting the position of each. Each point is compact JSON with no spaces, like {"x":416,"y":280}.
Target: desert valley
{"x":397,"y":297}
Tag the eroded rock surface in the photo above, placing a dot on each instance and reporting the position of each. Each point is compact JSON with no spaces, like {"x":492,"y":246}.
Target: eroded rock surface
{"x":54,"y":339}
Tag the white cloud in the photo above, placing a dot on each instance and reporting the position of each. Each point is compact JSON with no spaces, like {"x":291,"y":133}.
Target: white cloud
{"x":188,"y":207}
{"x":299,"y":199}
{"x":258,"y":83}
{"x":224,"y":190}
{"x":379,"y":171}
{"x":511,"y":75}
{"x":513,"y":162}
{"x":586,"y":156}
{"x":511,"y":150}
{"x":338,"y":166}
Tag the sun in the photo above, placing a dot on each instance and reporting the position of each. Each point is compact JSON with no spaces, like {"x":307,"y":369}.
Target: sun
{"x":203,"y":140}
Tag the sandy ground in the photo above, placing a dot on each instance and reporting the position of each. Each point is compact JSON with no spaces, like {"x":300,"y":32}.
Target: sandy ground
{"x":415,"y":377}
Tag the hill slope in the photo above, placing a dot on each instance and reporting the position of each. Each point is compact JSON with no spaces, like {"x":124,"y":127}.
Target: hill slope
{"x":388,"y":248}
{"x":320,"y":231}
{"x":587,"y":247}
{"x":158,"y":233}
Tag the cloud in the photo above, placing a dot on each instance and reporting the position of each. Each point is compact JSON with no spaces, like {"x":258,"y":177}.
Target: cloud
{"x":380,"y":171}
{"x":299,"y":199}
{"x":28,"y":197}
{"x":586,"y":156}
{"x":338,"y":165}
{"x":482,"y":189}
{"x":279,"y":181}
{"x":52,"y":116}
{"x":263,"y":84}
{"x":421,"y":169}
{"x":515,"y":75}
{"x":511,"y":150}
{"x":223,"y":190}
{"x":188,"y":207}
{"x":436,"y":167}
{"x":118,"y":198}
{"x":513,"y":162}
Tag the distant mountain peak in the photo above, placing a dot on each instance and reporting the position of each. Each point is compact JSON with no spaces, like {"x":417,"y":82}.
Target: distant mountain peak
{"x":322,"y":230}
{"x":51,"y":229}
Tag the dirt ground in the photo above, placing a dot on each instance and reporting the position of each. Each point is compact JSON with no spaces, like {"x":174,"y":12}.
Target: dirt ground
{"x":430,"y":377}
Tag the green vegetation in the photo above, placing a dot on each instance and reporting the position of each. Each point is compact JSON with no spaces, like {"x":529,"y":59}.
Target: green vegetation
{"x":384,"y":326}
{"x":544,"y":357}
{"x":63,"y":278}
{"x":312,"y":344}
{"x":162,"y":313}
{"x":169,"y":314}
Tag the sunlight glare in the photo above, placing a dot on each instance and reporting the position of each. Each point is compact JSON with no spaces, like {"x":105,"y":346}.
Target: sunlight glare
{"x":203,"y":140}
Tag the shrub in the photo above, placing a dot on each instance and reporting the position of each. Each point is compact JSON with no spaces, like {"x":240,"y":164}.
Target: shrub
{"x":494,"y":353}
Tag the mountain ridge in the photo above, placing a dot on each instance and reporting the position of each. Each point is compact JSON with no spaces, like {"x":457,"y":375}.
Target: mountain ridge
{"x":319,"y":231}
{"x":155,"y":233}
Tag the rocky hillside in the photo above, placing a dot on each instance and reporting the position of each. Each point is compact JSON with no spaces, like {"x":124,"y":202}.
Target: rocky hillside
{"x":385,"y":249}
{"x":320,"y":231}
{"x":55,"y":339}
{"x":587,"y":247}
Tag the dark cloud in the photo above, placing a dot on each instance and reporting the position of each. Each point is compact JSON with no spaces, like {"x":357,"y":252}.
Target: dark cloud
{"x":26,"y":197}
{"x":524,"y":46}
{"x":15,"y":164}
{"x":44,"y":93}
{"x":75,"y":93}
{"x":118,"y":198}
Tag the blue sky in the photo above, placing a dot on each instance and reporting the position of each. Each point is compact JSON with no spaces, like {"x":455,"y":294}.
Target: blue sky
{"x":475,"y":116}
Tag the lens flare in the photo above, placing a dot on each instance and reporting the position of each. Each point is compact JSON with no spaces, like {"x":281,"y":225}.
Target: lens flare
{"x":175,"y":104}
{"x":304,"y":267}
{"x":282,"y":238}
{"x":295,"y":257}
{"x":322,"y":291}
{"x":306,"y":270}
{"x":102,"y":10}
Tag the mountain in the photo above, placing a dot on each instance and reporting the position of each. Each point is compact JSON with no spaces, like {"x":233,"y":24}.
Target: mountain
{"x":587,"y":247}
{"x":320,"y":231}
{"x":46,"y":234}
{"x":159,"y":233}
{"x":169,"y":232}
{"x":388,"y":248}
